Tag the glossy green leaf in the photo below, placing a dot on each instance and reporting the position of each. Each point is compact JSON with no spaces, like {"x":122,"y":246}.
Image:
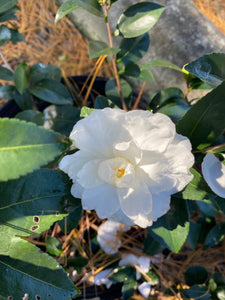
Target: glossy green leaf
{"x":215,"y":235}
{"x":138,"y":19}
{"x":195,"y":275}
{"x":5,"y":35}
{"x":61,"y":118}
{"x":31,"y":205}
{"x":31,"y":116}
{"x":85,"y":111}
{"x":7,"y":92}
{"x":25,"y":147}
{"x":92,"y":6}
{"x":131,"y":70}
{"x":152,"y":246}
{"x":133,"y":49}
{"x":72,"y":220}
{"x":204,"y":123}
{"x":196,"y":292}
{"x":20,"y":77}
{"x":51,"y":91}
{"x":112,"y":92}
{"x":172,"y":229}
{"x":220,"y":293}
{"x":162,"y":63}
{"x":6,"y":74}
{"x":24,"y":101}
{"x":166,"y":96}
{"x":193,"y":235}
{"x":16,"y":36}
{"x":175,"y":110}
{"x":7,"y":4}
{"x":8,"y":15}
{"x":53,"y":246}
{"x":99,"y":48}
{"x":146,"y":74}
{"x":41,"y":71}
{"x":209,"y":68}
{"x":102,"y":102}
{"x":129,"y":287}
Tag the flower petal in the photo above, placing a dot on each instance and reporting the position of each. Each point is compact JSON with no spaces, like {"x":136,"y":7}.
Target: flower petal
{"x":98,"y":132}
{"x":144,"y":289}
{"x":77,"y":190}
{"x":152,"y":132}
{"x":135,"y":201}
{"x":214,"y":174}
{"x":103,"y":198}
{"x":160,"y":205}
{"x":88,"y":177}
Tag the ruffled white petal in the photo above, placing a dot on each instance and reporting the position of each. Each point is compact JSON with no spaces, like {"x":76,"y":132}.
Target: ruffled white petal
{"x":213,"y":171}
{"x":147,"y":130}
{"x":109,"y":236}
{"x":102,"y":198}
{"x":88,"y":177}
{"x":144,"y":289}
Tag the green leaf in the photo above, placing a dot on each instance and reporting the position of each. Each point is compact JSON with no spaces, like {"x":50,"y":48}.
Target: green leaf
{"x":131,"y":70}
{"x":133,"y":49}
{"x":7,"y":4}
{"x":85,"y":111}
{"x":175,"y":110}
{"x":5,"y":35}
{"x":209,"y":68}
{"x":92,"y":6}
{"x":31,"y":116}
{"x":112,"y":92}
{"x":24,"y":101}
{"x":220,"y":293}
{"x":138,"y":19}
{"x":129,"y":287}
{"x":204,"y":123}
{"x":30,"y":205}
{"x":77,"y":262}
{"x":41,"y":71}
{"x":195,"y":275}
{"x":25,"y":147}
{"x":193,"y":235}
{"x":102,"y":102}
{"x":20,"y":77}
{"x":99,"y":48}
{"x":215,"y":235}
{"x":53,"y":246}
{"x":196,"y":292}
{"x":165,"y":96}
{"x":172,"y":229}
{"x":6,"y":74}
{"x":122,"y":273}
{"x":7,"y":92}
{"x":8,"y":15}
{"x":71,"y":221}
{"x":61,"y":118}
{"x":16,"y":36}
{"x":146,"y":75}
{"x":51,"y":91}
{"x":152,"y":246}
{"x":162,"y":63}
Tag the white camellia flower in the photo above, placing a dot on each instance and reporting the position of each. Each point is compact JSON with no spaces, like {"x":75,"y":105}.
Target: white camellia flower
{"x":145,"y":289}
{"x":109,"y":236}
{"x":142,"y":262}
{"x":128,"y":164}
{"x":213,"y":171}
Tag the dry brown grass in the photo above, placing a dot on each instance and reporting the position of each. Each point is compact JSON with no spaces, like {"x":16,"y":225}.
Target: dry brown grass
{"x":61,"y":44}
{"x":214,"y":10}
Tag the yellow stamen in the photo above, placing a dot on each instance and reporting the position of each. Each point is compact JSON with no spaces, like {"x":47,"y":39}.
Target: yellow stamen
{"x":120,"y":172}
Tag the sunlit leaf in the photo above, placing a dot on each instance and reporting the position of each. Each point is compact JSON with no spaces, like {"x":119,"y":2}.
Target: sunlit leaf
{"x":99,"y":48}
{"x":6,"y":4}
{"x":138,"y":19}
{"x":25,"y":147}
{"x":20,"y":77}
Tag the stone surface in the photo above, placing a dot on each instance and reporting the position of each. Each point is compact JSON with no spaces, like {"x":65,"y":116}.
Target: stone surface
{"x":181,"y":35}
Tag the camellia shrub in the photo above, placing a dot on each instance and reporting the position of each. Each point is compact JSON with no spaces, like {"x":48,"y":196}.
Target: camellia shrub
{"x":156,"y":173}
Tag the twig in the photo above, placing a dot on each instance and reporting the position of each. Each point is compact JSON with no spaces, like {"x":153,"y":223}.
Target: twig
{"x":113,"y":57}
{"x":139,"y":96}
{"x":5,"y":61}
{"x":209,"y":148}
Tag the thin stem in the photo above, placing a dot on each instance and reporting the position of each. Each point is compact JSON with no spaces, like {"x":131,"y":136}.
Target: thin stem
{"x":113,"y":57}
{"x":209,"y":148}
{"x":139,"y":96}
{"x":5,"y":61}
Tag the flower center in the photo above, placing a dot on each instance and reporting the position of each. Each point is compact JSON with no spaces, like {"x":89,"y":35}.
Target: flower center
{"x":120,"y":172}
{"x":117,"y":171}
